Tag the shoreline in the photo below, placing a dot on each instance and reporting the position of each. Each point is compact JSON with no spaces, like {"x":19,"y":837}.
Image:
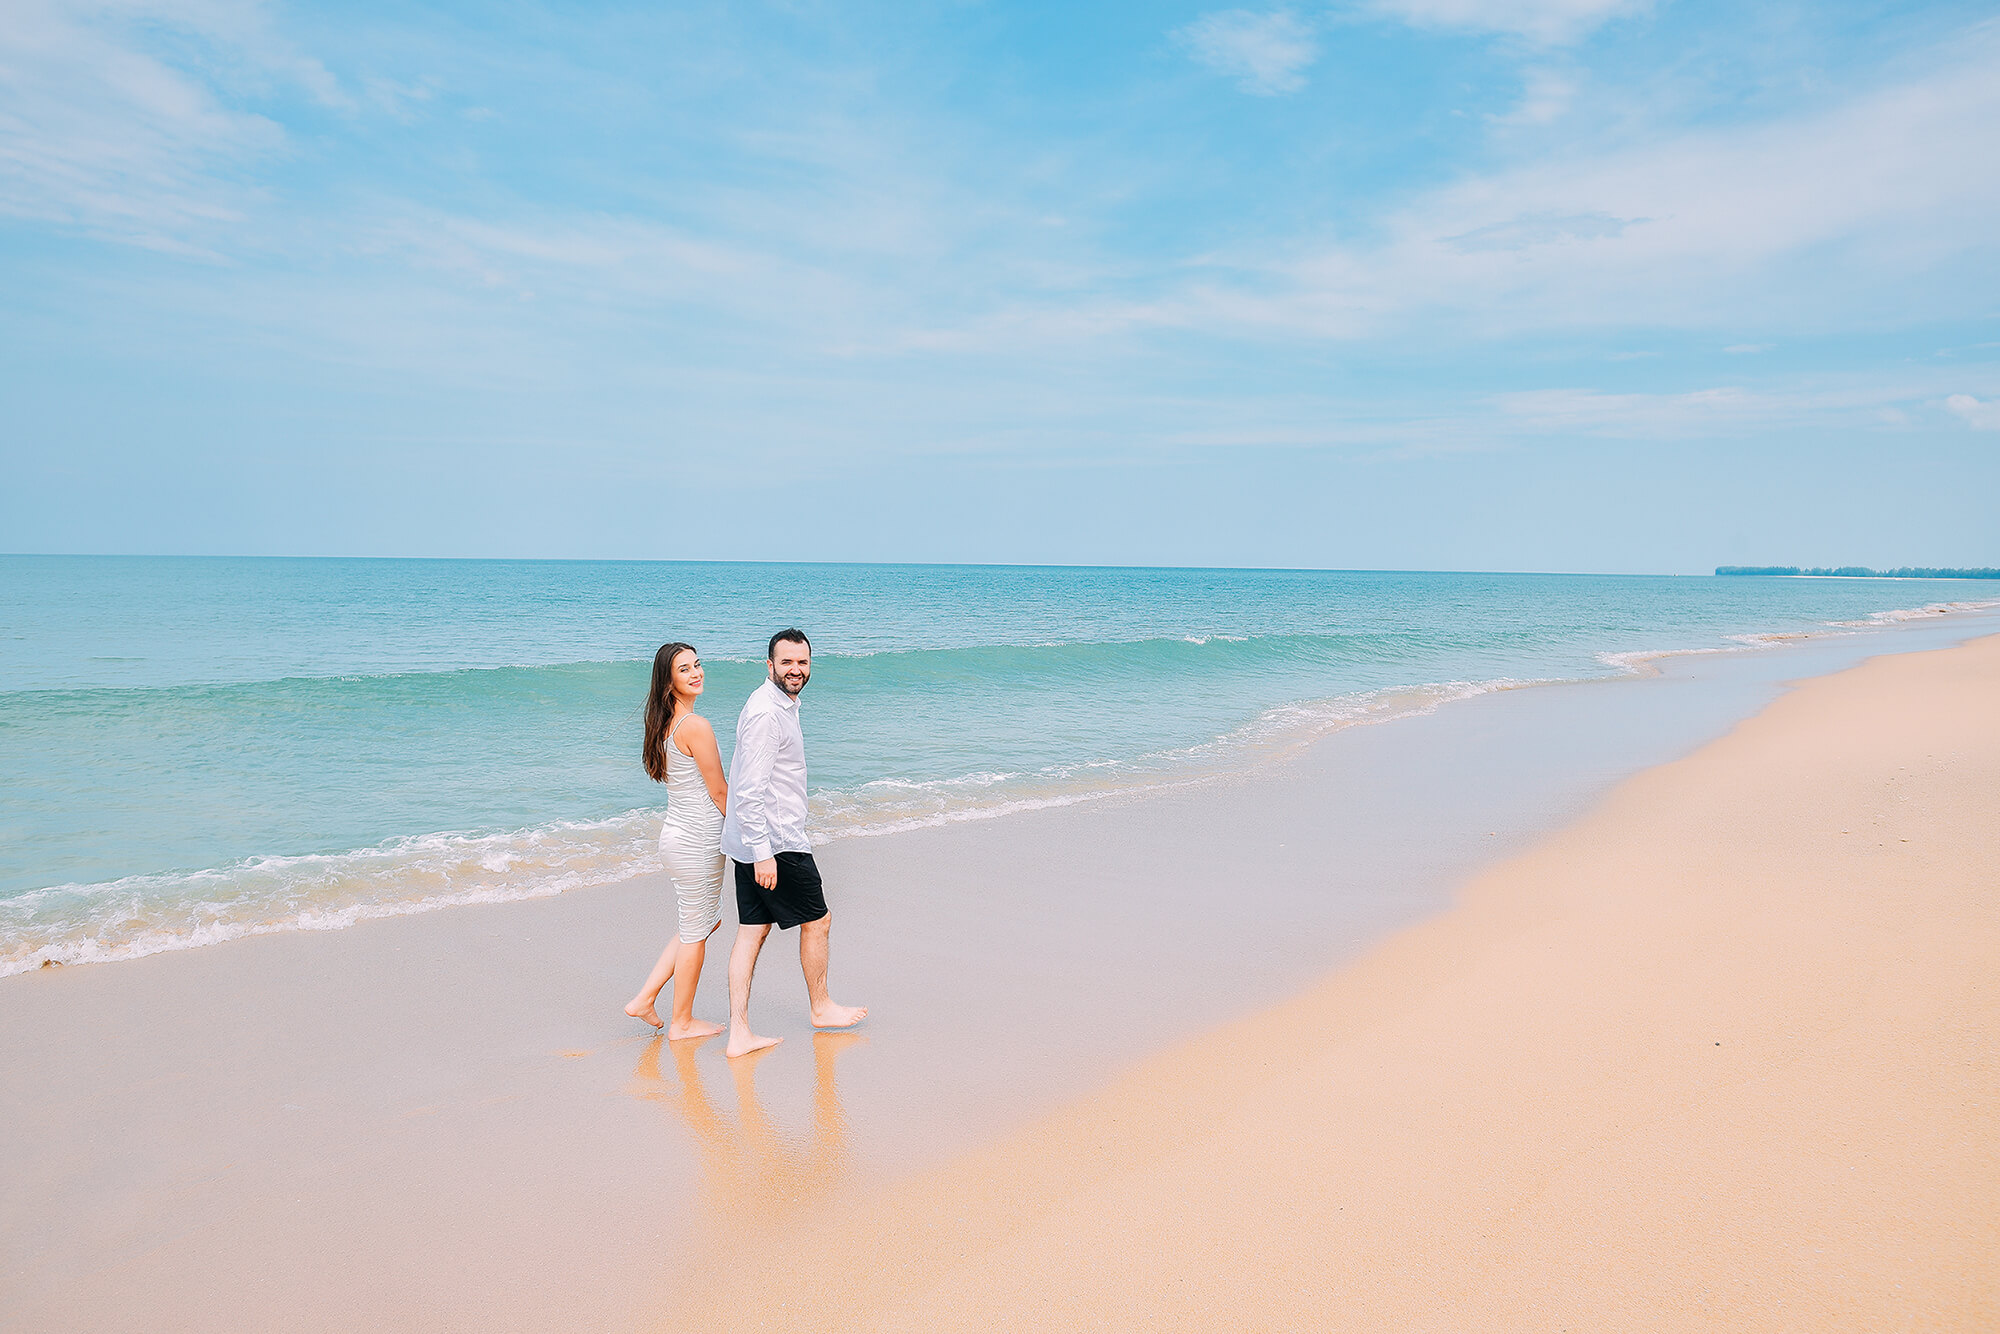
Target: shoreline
{"x":581,"y":845}
{"x":1719,"y":1055}
{"x":253,"y":1110}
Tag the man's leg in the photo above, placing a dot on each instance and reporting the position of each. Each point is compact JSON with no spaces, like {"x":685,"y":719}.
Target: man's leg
{"x":813,"y":938}
{"x":742,"y":966}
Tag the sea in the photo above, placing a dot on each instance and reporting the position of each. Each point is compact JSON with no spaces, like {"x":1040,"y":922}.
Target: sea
{"x":197,"y":749}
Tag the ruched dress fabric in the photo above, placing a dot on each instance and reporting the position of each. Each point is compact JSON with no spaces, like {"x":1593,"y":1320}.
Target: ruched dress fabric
{"x":691,"y":844}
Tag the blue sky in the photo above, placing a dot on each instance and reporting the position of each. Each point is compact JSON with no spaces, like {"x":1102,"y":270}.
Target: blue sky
{"x":1557,"y":284}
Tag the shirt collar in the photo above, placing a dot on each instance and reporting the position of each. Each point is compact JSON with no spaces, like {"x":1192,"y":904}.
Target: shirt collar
{"x":778,"y":693}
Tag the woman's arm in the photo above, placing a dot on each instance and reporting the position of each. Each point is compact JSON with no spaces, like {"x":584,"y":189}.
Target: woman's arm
{"x":700,"y":738}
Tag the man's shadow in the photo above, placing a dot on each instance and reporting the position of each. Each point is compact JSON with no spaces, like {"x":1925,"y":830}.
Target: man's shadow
{"x":752,"y":1171}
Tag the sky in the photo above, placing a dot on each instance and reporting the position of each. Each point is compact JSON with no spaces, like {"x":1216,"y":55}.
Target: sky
{"x":1594,"y":285}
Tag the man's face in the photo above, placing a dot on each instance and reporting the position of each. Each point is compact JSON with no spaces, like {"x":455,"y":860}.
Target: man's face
{"x":791,"y":666}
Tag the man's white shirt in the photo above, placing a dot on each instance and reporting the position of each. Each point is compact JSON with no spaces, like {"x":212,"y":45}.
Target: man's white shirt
{"x":767,"y":779}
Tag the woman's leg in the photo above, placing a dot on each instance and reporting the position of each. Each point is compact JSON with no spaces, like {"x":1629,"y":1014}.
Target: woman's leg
{"x":700,"y":904}
{"x":641,"y":1005}
{"x":687,"y":976}
{"x":689,"y":965}
{"x":674,"y":856}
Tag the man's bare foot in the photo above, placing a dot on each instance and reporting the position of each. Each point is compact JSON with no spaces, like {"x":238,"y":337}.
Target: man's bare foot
{"x":839,"y":1016}
{"x":700,"y":1028}
{"x":742,"y":1042}
{"x":646,"y":1012}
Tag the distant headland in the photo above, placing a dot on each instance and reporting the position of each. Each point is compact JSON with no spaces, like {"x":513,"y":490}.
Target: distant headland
{"x":1863,"y":572}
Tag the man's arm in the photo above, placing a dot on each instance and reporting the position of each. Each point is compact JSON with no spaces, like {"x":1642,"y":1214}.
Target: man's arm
{"x":749,"y":797}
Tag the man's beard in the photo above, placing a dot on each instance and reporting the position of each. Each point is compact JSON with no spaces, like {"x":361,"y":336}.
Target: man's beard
{"x":805,"y":679}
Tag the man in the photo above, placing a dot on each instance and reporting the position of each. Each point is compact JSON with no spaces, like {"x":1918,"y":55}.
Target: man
{"x":764,"y":833}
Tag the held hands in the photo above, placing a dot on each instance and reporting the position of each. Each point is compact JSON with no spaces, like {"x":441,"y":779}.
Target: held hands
{"x":766,"y":872}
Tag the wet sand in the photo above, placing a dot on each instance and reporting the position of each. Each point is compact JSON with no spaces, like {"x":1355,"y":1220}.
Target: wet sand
{"x":1724,"y":1055}
{"x":442,"y":1122}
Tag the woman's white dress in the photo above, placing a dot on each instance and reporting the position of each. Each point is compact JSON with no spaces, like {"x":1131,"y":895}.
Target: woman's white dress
{"x":691,"y":843}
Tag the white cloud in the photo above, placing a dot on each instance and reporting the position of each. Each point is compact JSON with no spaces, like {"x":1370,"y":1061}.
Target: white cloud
{"x":1592,"y":412}
{"x":1821,"y":403}
{"x":607,"y":263}
{"x":1542,"y":229}
{"x":1266,"y":54}
{"x":1980,"y":416}
{"x":1545,"y":97}
{"x":1430,"y":425}
{"x":1548,"y":22}
{"x":397,"y":99}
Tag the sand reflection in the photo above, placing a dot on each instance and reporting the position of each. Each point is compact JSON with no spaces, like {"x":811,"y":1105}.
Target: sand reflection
{"x":753,"y":1169}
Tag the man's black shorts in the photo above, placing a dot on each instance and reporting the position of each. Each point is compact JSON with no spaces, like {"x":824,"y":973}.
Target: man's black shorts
{"x":796,"y":899}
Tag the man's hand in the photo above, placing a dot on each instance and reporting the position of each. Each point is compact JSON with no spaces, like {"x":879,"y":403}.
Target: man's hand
{"x":766,"y":872}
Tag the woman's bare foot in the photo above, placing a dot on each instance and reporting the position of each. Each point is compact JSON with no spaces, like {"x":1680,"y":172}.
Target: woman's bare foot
{"x":646,"y":1012}
{"x":699,"y":1028}
{"x":839,"y":1016}
{"x":742,"y":1042}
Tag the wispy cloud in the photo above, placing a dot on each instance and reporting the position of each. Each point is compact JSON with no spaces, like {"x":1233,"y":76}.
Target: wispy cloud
{"x":1546,"y":22}
{"x":635,"y":267}
{"x":1687,"y":228}
{"x":1266,"y":53}
{"x":101,"y":134}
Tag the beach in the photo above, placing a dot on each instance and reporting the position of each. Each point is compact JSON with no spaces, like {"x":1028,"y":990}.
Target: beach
{"x":1361,"y":643}
{"x":1720,"y":1056}
{"x":1552,"y":1003}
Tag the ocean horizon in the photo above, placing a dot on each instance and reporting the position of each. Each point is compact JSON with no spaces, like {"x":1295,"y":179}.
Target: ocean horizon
{"x":201,"y":748}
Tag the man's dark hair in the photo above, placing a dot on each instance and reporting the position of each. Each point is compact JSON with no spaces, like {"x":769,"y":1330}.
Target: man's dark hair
{"x":785,"y":637}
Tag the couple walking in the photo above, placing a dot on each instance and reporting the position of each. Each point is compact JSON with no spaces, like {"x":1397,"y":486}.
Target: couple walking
{"x":757,"y":819}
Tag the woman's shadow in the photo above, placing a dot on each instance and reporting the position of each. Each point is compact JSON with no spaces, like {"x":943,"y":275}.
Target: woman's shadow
{"x":753,"y":1172}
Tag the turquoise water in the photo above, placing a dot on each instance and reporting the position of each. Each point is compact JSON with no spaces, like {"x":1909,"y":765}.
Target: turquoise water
{"x":193,"y":749}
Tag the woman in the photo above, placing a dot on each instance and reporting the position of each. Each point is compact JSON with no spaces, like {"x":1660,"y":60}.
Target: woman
{"x":680,"y":752}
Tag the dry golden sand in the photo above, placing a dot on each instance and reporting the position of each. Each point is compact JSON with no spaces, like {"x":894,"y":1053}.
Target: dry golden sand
{"x":1721,"y":1056}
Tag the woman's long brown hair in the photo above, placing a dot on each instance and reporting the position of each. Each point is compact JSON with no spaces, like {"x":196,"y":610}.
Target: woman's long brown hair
{"x":660,"y":709}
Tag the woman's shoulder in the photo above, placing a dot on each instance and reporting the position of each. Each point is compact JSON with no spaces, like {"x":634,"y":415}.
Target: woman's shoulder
{"x":695,"y":725}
